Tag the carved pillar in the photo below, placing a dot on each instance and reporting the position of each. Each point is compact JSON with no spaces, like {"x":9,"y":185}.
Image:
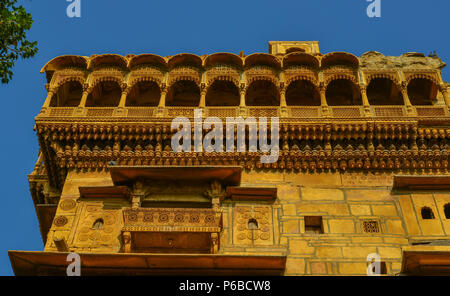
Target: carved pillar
{"x":444,"y":92}
{"x":214,"y":243}
{"x":47,"y":101}
{"x":86,"y":91}
{"x":120,"y":110}
{"x":216,"y":193}
{"x":365,"y":100}
{"x":323,"y":100}
{"x":123,"y":98}
{"x":283,"y":105}
{"x":242,"y":106}
{"x":80,"y":109}
{"x":406,"y":101}
{"x":202,"y":103}
{"x":162,"y":100}
{"x":126,"y":239}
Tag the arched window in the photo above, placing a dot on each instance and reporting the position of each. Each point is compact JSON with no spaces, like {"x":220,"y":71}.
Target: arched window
{"x":184,"y":93}
{"x":422,"y":92}
{"x":343,"y":92}
{"x":295,"y":49}
{"x":427,"y":213}
{"x":222,"y":93}
{"x":105,"y":94}
{"x":262,"y":93}
{"x":383,"y":91}
{"x":98,"y":224}
{"x":447,"y":211}
{"x":252,"y":224}
{"x":144,"y":94}
{"x":68,"y":95}
{"x":302,"y":93}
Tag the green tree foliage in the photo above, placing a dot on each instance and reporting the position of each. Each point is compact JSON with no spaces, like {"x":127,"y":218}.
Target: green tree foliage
{"x":14,"y":22}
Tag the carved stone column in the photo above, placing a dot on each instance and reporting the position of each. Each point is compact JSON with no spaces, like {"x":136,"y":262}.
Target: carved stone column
{"x":444,"y":92}
{"x":203,"y":88}
{"x":365,"y":99}
{"x":48,"y":99}
{"x":242,"y":106}
{"x":214,"y":243}
{"x":406,"y":101}
{"x":283,"y":105}
{"x":120,"y":110}
{"x":126,"y":239}
{"x":80,"y":109}
{"x":323,"y":100}
{"x":162,"y":101}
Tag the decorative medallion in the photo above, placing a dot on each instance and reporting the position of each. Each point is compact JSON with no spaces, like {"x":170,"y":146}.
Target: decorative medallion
{"x":195,"y":218}
{"x":67,"y":204}
{"x":179,"y":218}
{"x":60,"y":221}
{"x":148,"y":217}
{"x":132,"y":217}
{"x":209,"y":219}
{"x":163,"y":217}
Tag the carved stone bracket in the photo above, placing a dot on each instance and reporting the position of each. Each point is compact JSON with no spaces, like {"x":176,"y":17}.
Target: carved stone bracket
{"x":216,"y":193}
{"x":126,"y":240}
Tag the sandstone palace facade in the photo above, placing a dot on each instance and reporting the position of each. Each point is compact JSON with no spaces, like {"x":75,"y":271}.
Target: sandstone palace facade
{"x":362,"y":168}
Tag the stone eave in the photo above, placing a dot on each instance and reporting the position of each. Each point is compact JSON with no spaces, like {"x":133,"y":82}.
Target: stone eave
{"x":29,"y":263}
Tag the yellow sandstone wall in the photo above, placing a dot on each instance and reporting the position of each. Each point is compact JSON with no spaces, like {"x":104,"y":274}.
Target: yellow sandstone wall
{"x":343,"y":201}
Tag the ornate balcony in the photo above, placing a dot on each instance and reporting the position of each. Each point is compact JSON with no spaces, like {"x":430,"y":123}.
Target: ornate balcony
{"x":171,"y":230}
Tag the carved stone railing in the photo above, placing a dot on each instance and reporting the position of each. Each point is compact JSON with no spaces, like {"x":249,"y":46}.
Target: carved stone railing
{"x":431,"y":111}
{"x":263,"y":111}
{"x":388,"y":111}
{"x":298,"y":112}
{"x":304,"y":112}
{"x":173,"y":223}
{"x":347,"y":111}
{"x":222,"y":112}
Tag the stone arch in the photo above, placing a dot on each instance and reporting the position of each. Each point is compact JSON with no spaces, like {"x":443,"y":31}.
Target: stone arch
{"x":143,"y":93}
{"x":262,"y":92}
{"x":183,"y":93}
{"x":68,"y":93}
{"x":383,"y":90}
{"x":105,"y":92}
{"x":422,"y":90}
{"x":343,"y":91}
{"x":302,"y":92}
{"x":223,"y":92}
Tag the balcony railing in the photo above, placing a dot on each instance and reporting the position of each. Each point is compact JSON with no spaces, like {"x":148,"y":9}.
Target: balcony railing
{"x":297,"y":112}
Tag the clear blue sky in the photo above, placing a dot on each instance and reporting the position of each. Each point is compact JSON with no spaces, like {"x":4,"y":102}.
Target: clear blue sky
{"x":197,"y":26}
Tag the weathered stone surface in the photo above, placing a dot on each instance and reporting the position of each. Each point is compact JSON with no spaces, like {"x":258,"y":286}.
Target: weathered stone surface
{"x":308,"y":193}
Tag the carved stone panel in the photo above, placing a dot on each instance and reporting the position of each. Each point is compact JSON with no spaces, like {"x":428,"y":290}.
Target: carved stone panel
{"x":252,"y":225}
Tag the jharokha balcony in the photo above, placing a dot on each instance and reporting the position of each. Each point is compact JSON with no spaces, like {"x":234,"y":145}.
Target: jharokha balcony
{"x":295,"y":85}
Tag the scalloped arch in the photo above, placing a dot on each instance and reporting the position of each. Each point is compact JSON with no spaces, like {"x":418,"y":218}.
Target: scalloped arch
{"x":223,"y":58}
{"x":147,"y":58}
{"x":300,"y":58}
{"x":65,"y":61}
{"x":333,"y":58}
{"x":262,"y":59}
{"x":107,"y":59}
{"x":185,"y":59}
